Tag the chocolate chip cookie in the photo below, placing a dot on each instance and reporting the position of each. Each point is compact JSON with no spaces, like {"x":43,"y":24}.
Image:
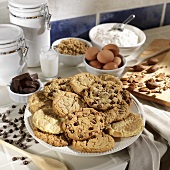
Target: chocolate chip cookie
{"x":54,"y":140}
{"x":108,"y":77}
{"x":56,"y":86}
{"x":100,"y":143}
{"x":103,"y":95}
{"x":81,"y":81}
{"x":83,"y":124}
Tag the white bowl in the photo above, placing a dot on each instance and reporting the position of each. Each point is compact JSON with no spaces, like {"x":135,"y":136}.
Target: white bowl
{"x":71,"y":60}
{"x":116,"y":72}
{"x":22,"y":98}
{"x":123,"y":50}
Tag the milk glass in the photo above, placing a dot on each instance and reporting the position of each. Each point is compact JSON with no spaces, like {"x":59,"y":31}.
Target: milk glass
{"x":49,"y":62}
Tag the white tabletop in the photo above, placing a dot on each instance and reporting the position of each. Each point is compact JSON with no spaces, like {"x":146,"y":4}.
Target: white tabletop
{"x":113,"y":161}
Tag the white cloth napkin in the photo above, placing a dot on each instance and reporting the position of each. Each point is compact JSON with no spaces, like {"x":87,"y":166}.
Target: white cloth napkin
{"x":146,"y":152}
{"x":158,"y":120}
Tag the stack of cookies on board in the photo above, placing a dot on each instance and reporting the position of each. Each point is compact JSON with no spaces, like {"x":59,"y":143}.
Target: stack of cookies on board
{"x":85,"y":111}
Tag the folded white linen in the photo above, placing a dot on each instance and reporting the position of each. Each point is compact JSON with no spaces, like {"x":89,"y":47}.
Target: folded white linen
{"x":158,"y":120}
{"x":146,"y":153}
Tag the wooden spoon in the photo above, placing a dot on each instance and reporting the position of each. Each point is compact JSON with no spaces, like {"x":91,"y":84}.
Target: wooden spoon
{"x":42,"y":162}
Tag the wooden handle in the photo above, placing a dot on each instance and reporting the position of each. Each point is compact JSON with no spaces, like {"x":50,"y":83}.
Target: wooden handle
{"x":15,"y":148}
{"x":153,"y":55}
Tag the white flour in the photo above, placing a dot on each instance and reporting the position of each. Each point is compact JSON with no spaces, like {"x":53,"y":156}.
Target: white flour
{"x":126,"y":38}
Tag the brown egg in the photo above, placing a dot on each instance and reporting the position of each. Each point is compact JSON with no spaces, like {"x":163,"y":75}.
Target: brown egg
{"x":117,"y":60}
{"x":112,"y":47}
{"x":105,"y":56}
{"x":91,"y":53}
{"x":110,"y":66}
{"x":96,"y":64}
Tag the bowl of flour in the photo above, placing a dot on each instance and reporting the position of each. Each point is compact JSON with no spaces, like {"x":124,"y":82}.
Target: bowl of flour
{"x":128,"y":40}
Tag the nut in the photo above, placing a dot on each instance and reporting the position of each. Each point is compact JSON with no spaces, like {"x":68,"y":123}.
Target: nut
{"x":151,"y":84}
{"x":152,"y":61}
{"x":153,"y":68}
{"x":138,"y":67}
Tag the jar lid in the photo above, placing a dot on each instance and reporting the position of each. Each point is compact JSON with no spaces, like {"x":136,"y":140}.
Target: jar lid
{"x":9,"y":34}
{"x":27,"y":4}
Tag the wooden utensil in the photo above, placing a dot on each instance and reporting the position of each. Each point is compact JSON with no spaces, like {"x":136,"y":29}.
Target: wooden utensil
{"x":42,"y":162}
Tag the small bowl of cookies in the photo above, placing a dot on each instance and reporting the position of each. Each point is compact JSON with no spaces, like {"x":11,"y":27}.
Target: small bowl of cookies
{"x":105,"y":61}
{"x":71,"y":50}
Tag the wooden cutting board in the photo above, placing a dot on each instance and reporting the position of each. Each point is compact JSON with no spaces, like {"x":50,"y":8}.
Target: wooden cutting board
{"x":136,"y":81}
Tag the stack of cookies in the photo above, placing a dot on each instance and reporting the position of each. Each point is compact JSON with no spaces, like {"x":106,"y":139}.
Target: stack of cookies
{"x":85,"y":111}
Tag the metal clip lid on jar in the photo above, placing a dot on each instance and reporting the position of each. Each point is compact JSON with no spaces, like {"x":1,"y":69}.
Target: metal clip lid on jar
{"x":30,"y":11}
{"x":34,"y":18}
{"x":12,"y":52}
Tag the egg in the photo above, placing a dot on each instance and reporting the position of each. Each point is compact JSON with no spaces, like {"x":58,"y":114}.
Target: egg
{"x":91,"y":53}
{"x":96,"y":64}
{"x":105,"y":56}
{"x":112,"y":47}
{"x":117,"y":60}
{"x":110,"y":66}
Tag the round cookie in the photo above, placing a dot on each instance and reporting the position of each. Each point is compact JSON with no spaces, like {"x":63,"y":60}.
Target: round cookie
{"x":119,"y":112}
{"x":103,"y":95}
{"x":38,"y":100}
{"x":100,"y":143}
{"x":130,"y":126}
{"x":66,"y":103}
{"x":108,"y":77}
{"x":47,"y":121}
{"x":127,"y":97}
{"x":82,"y":81}
{"x":83,"y":124}
{"x":56,"y":86}
{"x":54,"y":140}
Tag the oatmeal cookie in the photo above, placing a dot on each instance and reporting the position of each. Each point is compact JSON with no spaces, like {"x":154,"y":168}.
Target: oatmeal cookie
{"x":66,"y":103}
{"x":81,"y":81}
{"x":83,"y":124}
{"x":100,"y":143}
{"x":47,"y":121}
{"x":108,"y":77}
{"x":54,"y":140}
{"x":130,"y":126}
{"x":103,"y":95}
{"x":56,"y":86}
{"x":38,"y":100}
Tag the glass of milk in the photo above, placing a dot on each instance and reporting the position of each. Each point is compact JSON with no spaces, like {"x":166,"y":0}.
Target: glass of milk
{"x":48,"y":62}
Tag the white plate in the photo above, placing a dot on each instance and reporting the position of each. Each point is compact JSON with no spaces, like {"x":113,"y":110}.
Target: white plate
{"x":119,"y":145}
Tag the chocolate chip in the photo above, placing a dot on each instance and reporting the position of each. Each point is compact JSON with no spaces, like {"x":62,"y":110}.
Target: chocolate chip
{"x":13,"y":106}
{"x":4,"y":126}
{"x":22,"y":158}
{"x":15,"y":136}
{"x":15,"y":120}
{"x":25,"y":162}
{"x":20,"y":145}
{"x":25,"y":147}
{"x":14,"y":158}
{"x":28,"y":140}
{"x":10,"y":130}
